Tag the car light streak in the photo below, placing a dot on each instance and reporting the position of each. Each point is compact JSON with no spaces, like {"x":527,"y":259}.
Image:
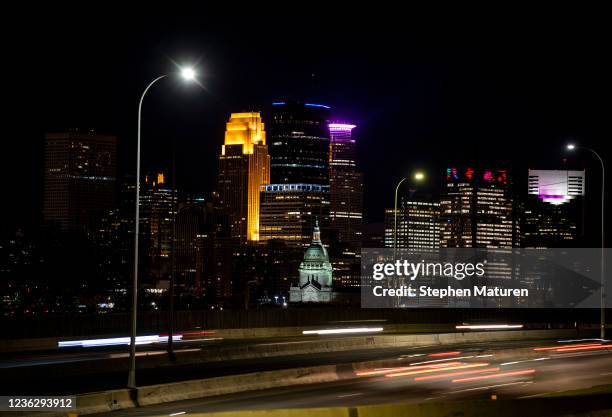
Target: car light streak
{"x":344,"y":331}
{"x":452,"y":374}
{"x":500,"y":375}
{"x":488,"y":326}
{"x":382,"y":371}
{"x":444,"y":354}
{"x":572,"y":349}
{"x":582,"y":340}
{"x":528,"y":360}
{"x":442,"y":360}
{"x":566,"y":346}
{"x":117,"y":341}
{"x":424,"y":371}
{"x":151,"y":353}
{"x":493,"y":386}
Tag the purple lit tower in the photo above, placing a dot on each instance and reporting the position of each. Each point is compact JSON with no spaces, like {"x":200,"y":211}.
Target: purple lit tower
{"x":346,"y":200}
{"x":553,"y":215}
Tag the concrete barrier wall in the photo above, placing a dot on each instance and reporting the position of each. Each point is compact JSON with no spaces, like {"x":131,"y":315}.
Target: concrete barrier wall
{"x":100,"y":402}
{"x":221,"y":353}
{"x":82,"y":325}
{"x":24,"y":345}
{"x":592,"y":406}
{"x":157,"y":394}
{"x":50,"y":343}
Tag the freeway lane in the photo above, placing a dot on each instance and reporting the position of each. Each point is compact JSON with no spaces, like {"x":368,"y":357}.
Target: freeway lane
{"x":471,"y":378}
{"x":53,"y":380}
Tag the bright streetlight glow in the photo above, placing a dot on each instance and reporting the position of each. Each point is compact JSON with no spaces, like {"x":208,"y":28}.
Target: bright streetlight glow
{"x":570,"y":147}
{"x":419,"y":176}
{"x":188,"y":74}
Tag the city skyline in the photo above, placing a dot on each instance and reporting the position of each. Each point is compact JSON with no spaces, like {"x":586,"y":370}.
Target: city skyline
{"x":301,"y":209}
{"x":461,"y":93}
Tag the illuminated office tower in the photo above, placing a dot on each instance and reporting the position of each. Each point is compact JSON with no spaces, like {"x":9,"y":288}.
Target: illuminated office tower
{"x":158,"y":205}
{"x":477,"y":209}
{"x":244,"y":166}
{"x":288,"y":209}
{"x":345,"y":187}
{"x":418,"y":224}
{"x":556,"y":187}
{"x":299,"y":187}
{"x":554,"y":209}
{"x":79,"y":179}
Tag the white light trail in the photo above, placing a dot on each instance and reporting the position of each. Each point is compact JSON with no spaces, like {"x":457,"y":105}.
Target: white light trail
{"x":118,"y":341}
{"x":528,"y":360}
{"x":442,"y":360}
{"x":489,"y":326}
{"x":582,"y":340}
{"x":345,"y":331}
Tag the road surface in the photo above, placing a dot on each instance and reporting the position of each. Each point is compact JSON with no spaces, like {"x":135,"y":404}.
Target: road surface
{"x":458,"y":373}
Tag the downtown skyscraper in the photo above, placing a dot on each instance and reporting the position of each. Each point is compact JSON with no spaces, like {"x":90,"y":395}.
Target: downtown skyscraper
{"x":244,"y":166}
{"x":346,"y":206}
{"x":553,"y":215}
{"x":79,"y":179}
{"x":299,"y":182}
{"x":477,"y":209}
{"x":346,"y":187}
{"x":418,"y":224}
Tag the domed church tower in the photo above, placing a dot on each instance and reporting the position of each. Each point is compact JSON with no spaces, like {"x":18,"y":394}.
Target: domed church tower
{"x":315,"y":273}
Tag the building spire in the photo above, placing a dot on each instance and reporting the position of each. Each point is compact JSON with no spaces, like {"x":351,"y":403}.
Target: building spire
{"x":316,"y":234}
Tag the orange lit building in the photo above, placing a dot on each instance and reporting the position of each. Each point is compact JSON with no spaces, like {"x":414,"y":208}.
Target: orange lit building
{"x":244,"y":165}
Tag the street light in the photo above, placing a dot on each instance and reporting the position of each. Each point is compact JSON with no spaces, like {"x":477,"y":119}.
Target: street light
{"x":572,"y":147}
{"x":188,"y":74}
{"x":418,"y":176}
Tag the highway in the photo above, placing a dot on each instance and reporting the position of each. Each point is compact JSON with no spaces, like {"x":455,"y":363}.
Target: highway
{"x":429,"y":374}
{"x":81,"y":370}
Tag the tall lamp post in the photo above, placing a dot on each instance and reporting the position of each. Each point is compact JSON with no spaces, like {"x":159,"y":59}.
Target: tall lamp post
{"x":188,"y":74}
{"x":602,"y":324}
{"x":418,"y":176}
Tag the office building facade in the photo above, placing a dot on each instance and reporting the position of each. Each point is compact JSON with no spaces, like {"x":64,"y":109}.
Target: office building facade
{"x":418,"y":224}
{"x":298,"y":192}
{"x":476,"y":209}
{"x":79,"y":179}
{"x":553,"y":212}
{"x":244,"y":166}
{"x":346,"y":187}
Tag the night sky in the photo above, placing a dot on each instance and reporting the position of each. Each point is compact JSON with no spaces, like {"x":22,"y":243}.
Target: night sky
{"x":426,"y":89}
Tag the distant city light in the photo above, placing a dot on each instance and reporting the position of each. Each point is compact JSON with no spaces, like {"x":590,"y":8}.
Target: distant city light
{"x":419,"y":176}
{"x":317,"y":105}
{"x":570,"y":147}
{"x":344,"y":331}
{"x":341,"y":127}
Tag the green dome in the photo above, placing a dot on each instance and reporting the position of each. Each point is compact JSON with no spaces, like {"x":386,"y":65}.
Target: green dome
{"x":316,"y":252}
{"x":316,"y":268}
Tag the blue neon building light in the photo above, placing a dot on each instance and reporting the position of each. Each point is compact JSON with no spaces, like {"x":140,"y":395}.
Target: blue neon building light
{"x":317,"y":105}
